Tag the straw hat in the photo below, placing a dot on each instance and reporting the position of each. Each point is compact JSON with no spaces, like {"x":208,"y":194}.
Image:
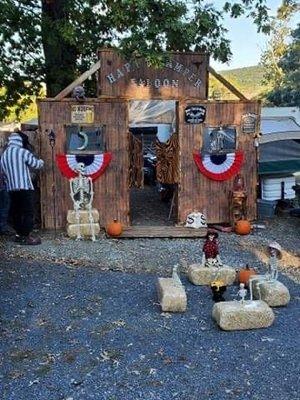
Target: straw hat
{"x":276,"y":246}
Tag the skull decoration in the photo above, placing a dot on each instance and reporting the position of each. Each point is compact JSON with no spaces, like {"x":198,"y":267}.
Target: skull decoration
{"x":78,"y":93}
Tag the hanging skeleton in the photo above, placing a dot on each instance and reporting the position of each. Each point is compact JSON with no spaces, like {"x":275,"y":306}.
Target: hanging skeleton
{"x":82,"y":194}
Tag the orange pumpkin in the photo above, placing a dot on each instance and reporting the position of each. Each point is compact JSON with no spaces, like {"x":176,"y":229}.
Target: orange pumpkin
{"x":242,"y":227}
{"x":244,"y":275}
{"x":114,"y":228}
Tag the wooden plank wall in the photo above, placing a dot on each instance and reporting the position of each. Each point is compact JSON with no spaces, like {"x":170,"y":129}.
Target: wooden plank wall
{"x":111,"y":189}
{"x":118,"y":78}
{"x":196,"y":192}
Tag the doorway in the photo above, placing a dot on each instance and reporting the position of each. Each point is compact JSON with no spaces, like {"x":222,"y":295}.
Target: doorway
{"x":153,"y":152}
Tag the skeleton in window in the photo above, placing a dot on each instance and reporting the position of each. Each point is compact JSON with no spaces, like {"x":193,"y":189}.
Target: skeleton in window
{"x":82,"y":194}
{"x":217,"y":140}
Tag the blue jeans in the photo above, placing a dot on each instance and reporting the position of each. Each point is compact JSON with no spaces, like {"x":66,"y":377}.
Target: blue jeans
{"x":4,"y":209}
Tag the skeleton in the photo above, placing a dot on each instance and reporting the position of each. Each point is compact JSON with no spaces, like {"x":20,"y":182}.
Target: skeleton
{"x":82,"y":194}
{"x":242,"y":292}
{"x":175,"y":275}
{"x":272,"y":272}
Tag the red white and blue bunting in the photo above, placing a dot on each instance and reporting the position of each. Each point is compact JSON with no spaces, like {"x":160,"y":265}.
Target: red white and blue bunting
{"x":219,"y":167}
{"x":95,"y":164}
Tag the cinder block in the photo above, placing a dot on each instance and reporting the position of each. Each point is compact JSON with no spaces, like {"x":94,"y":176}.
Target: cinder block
{"x":85,"y":230}
{"x":274,"y":293}
{"x":200,"y":275}
{"x":171,"y":295}
{"x":235,"y":315}
{"x":83,"y":216}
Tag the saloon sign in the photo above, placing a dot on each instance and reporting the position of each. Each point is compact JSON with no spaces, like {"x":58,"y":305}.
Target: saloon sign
{"x":178,"y":67}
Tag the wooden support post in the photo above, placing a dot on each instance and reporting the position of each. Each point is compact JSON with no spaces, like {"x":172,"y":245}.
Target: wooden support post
{"x":78,"y":81}
{"x":227,"y":84}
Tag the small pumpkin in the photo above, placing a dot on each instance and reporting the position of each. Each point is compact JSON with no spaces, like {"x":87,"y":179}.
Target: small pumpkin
{"x":114,"y":228}
{"x":244,"y":274}
{"x":242,"y":227}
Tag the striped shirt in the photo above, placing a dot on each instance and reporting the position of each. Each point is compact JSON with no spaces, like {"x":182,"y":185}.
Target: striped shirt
{"x":15,"y":163}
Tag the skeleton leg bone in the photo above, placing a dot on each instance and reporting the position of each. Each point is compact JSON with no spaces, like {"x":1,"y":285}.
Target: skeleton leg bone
{"x":79,"y":237}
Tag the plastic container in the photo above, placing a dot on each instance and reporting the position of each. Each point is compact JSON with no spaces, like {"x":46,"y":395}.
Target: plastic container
{"x":272,"y":188}
{"x":266,"y":208}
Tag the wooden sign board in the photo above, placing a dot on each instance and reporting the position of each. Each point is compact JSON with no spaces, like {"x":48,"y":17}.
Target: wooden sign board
{"x":82,"y":114}
{"x":182,"y":75}
{"x":248,"y":123}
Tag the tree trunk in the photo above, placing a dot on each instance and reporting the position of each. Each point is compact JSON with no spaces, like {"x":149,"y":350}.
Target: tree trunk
{"x":60,"y":55}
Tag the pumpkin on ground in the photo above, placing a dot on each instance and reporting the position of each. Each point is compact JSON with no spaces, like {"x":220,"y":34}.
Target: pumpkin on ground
{"x":114,"y":228}
{"x":244,"y":275}
{"x":242,"y":227}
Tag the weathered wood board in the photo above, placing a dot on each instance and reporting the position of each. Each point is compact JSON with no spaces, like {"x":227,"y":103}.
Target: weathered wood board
{"x":111,"y":196}
{"x":197,"y":192}
{"x":183,"y":75}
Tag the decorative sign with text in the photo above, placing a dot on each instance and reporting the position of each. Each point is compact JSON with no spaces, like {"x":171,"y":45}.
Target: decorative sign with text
{"x":194,"y":114}
{"x":248,"y":124}
{"x":82,"y":114}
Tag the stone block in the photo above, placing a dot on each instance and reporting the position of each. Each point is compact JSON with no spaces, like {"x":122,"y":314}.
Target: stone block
{"x":83,"y":216}
{"x":171,"y":295}
{"x":273,"y":293}
{"x":200,"y":275}
{"x":234,"y":315}
{"x":85,"y":230}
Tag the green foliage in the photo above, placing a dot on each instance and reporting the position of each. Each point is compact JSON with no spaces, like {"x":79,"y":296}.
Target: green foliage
{"x":277,"y":45}
{"x":287,"y":93}
{"x":54,"y":41}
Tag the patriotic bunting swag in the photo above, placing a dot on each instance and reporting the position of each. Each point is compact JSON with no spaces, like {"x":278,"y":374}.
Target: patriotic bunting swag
{"x":95,"y":164}
{"x":219,"y":167}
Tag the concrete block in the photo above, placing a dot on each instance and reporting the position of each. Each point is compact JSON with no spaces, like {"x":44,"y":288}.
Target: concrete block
{"x":200,"y":275}
{"x":234,"y":315}
{"x":274,"y":293}
{"x":85,"y":230}
{"x":171,"y":295}
{"x":83,"y":216}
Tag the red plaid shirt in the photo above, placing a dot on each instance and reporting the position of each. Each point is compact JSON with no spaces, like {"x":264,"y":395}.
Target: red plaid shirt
{"x":211,"y":249}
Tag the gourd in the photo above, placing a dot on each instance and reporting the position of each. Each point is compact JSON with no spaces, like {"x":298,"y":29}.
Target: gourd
{"x":114,"y":228}
{"x":244,"y":274}
{"x":242,"y":227}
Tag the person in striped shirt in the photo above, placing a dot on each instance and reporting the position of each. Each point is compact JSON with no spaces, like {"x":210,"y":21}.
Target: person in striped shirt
{"x":16,"y":162}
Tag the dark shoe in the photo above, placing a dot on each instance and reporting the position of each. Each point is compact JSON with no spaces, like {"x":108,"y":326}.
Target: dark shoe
{"x":31,"y":241}
{"x":19,"y":239}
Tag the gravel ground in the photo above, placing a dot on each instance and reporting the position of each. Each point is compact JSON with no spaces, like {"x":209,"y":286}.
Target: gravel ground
{"x":159,"y":255}
{"x":74,"y":333}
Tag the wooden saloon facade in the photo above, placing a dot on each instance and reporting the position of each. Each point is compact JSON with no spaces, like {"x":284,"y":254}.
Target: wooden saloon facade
{"x":184,"y":80}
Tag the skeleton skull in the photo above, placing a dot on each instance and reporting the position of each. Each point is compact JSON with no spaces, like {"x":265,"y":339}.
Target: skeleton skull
{"x":80,"y":167}
{"x":78,"y":93}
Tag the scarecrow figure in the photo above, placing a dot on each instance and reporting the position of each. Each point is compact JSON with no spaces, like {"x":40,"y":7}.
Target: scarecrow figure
{"x":82,"y":194}
{"x":210,"y":255}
